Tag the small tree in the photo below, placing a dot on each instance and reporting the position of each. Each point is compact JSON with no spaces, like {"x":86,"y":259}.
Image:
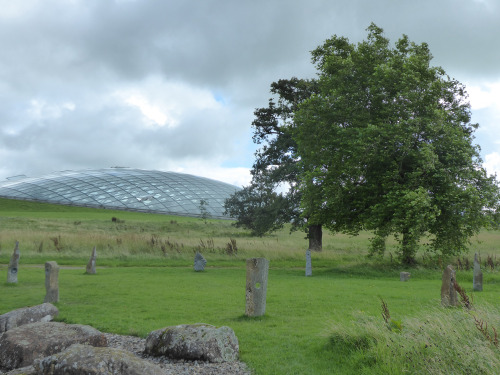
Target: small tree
{"x":258,"y":208}
{"x":386,"y":145}
{"x":204,"y":214}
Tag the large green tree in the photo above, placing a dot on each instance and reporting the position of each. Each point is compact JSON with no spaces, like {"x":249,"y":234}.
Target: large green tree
{"x":386,"y":145}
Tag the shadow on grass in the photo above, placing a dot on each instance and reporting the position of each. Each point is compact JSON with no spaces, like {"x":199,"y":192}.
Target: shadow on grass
{"x":10,"y":285}
{"x":375,"y":270}
{"x":246,"y":318}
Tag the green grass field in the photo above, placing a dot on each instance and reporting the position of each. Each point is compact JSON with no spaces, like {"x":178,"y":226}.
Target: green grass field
{"x":330,"y":323}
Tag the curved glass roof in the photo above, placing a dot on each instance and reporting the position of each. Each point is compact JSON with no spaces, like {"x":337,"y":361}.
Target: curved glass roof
{"x":125,"y":189}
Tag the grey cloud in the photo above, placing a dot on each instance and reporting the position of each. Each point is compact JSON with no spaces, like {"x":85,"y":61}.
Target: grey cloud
{"x":82,"y":51}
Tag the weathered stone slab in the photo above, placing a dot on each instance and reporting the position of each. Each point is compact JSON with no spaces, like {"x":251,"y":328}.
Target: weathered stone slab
{"x":449,"y":295}
{"x":88,"y":360}
{"x":404,"y":276}
{"x":194,"y":342}
{"x":13,"y":268}
{"x":308,"y":263}
{"x":477,"y":280}
{"x":199,"y":262}
{"x":51,"y":282}
{"x":92,"y":263}
{"x":20,"y":346}
{"x":256,"y":286}
{"x":27,"y":315}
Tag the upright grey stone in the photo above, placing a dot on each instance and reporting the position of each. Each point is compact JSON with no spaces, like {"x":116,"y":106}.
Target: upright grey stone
{"x":91,"y":263}
{"x":448,"y":292}
{"x":199,"y":262}
{"x":308,"y":263}
{"x":13,"y":265}
{"x":51,"y":282}
{"x":404,"y":276}
{"x":256,"y":288}
{"x":477,"y":280}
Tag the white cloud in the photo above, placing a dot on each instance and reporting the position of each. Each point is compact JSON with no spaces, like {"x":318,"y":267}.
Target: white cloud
{"x":40,"y":109}
{"x":238,"y":176}
{"x":234,"y":176}
{"x":12,"y":9}
{"x":485,"y":95}
{"x":164,"y":103}
{"x":151,"y":112}
{"x":492,"y":163}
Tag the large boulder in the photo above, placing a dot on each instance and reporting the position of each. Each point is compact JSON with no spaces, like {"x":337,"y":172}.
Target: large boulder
{"x":20,"y":346}
{"x":194,"y":342}
{"x":26,"y":315}
{"x":87,"y":360}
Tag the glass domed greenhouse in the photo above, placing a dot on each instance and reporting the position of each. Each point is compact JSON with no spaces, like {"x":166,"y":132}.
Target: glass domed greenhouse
{"x":125,"y":189}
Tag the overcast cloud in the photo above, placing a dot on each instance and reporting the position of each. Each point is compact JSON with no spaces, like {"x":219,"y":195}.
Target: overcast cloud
{"x":172,"y":85}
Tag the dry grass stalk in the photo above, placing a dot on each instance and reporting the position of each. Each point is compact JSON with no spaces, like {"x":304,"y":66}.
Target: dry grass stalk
{"x":482,"y":326}
{"x":386,"y":315}
{"x":464,"y":298}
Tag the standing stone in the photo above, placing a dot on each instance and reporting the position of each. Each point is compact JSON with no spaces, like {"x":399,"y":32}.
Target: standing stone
{"x":448,"y":292}
{"x":91,"y":263}
{"x":51,"y":282}
{"x":477,"y":281}
{"x":404,"y":276}
{"x":308,"y":263}
{"x":13,"y":265}
{"x":256,"y":288}
{"x":199,"y":262}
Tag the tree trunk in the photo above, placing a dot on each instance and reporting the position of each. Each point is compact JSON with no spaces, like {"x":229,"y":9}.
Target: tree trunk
{"x":315,"y":236}
{"x":409,"y":249}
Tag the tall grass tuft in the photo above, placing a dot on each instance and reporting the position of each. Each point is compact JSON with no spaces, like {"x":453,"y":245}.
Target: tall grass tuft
{"x":464,"y":298}
{"x":231,"y":247}
{"x":482,"y":326}
{"x":437,"y":341}
{"x":392,"y":325}
{"x":57,"y":243}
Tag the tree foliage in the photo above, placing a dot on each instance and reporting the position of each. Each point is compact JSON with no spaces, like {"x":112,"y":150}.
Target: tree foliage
{"x":204,"y":214}
{"x":386,"y":144}
{"x":258,"y":206}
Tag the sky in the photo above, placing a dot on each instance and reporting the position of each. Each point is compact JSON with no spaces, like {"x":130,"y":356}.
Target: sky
{"x":172,"y":85}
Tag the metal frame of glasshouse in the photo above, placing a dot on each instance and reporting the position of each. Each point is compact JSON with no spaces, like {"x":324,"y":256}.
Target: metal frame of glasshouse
{"x":126,"y":189}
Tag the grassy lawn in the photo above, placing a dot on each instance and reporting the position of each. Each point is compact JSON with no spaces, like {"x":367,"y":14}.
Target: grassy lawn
{"x":328,"y":323}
